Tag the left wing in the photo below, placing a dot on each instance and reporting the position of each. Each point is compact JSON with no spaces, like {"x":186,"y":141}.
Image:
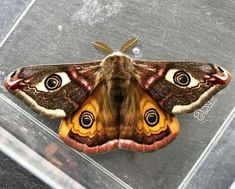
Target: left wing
{"x":53,"y":90}
{"x":180,"y":87}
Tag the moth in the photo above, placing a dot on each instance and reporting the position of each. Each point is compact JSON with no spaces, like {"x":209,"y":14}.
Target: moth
{"x":117,"y":102}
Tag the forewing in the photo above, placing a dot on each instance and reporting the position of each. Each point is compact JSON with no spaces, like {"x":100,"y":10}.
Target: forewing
{"x":180,"y":87}
{"x":53,"y":90}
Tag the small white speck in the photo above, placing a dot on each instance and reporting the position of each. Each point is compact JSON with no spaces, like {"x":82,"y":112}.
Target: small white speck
{"x":136,"y":50}
{"x":59,"y":27}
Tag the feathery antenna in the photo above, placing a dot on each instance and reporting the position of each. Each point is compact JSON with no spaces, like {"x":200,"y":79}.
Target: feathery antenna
{"x":103,"y":47}
{"x":128,"y":44}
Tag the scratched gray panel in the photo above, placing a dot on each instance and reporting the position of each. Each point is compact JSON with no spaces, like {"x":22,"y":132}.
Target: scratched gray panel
{"x":9,"y":13}
{"x":61,"y":31}
{"x":13,"y":175}
{"x":217,"y":170}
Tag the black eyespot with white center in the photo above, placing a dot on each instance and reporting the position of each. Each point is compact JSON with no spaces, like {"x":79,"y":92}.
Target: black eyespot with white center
{"x":86,"y":119}
{"x":53,"y":82}
{"x":182,"y":78}
{"x":151,"y":117}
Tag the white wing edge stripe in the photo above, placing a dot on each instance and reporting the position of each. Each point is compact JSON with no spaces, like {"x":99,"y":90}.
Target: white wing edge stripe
{"x":185,"y":108}
{"x":57,"y":113}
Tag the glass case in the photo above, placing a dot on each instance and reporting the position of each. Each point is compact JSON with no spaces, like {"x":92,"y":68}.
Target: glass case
{"x":49,"y":32}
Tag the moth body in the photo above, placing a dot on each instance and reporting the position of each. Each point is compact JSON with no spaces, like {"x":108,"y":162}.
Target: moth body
{"x":118,"y":73}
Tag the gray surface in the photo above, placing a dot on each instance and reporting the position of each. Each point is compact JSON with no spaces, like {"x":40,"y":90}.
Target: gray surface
{"x":11,"y":174}
{"x":14,"y":176}
{"x":217,"y":169}
{"x":61,"y":31}
{"x":9,"y":13}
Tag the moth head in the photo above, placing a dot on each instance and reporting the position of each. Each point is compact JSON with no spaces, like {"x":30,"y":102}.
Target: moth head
{"x":117,"y":67}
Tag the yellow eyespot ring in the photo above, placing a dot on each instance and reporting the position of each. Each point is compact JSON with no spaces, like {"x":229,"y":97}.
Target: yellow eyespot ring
{"x":151,"y":117}
{"x":86,"y":119}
